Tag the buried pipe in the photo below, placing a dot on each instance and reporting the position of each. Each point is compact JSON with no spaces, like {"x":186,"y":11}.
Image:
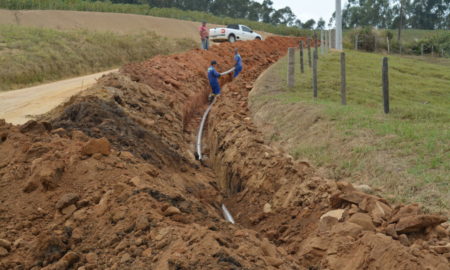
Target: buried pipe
{"x":198,"y":153}
{"x":227,"y":214}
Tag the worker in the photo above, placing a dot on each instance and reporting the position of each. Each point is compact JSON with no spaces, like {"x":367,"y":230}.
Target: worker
{"x":204,"y":36}
{"x":213,"y":76}
{"x":238,"y":65}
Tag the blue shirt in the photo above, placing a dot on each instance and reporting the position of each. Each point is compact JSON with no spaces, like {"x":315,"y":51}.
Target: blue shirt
{"x":213,"y":75}
{"x":238,"y":59}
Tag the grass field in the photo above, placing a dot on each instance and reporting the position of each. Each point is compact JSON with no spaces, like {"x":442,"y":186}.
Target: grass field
{"x":35,"y":55}
{"x":143,"y":9}
{"x":408,"y":35}
{"x":405,"y":154}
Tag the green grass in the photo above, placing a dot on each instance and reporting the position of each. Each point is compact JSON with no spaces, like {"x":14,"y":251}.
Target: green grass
{"x":433,"y":42}
{"x":408,"y":35}
{"x":142,"y":9}
{"x":35,"y":55}
{"x":406,"y":154}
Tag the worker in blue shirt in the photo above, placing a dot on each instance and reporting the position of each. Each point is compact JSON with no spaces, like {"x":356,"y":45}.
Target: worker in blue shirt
{"x":213,"y":76}
{"x":238,"y":65}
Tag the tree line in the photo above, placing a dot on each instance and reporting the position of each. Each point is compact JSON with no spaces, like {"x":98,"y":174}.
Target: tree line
{"x":387,"y":14}
{"x":393,"y":14}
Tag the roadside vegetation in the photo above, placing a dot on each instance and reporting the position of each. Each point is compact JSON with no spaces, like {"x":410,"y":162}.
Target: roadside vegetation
{"x":433,"y":42}
{"x":36,"y":55}
{"x":405,"y":155}
{"x":175,"y":13}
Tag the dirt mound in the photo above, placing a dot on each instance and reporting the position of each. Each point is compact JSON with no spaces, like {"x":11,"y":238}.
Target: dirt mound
{"x":109,"y":181}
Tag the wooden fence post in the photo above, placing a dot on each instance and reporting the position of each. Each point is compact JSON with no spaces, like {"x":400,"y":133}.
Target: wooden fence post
{"x":309,"y":51}
{"x":356,"y":42}
{"x":375,"y":43}
{"x":330,"y":39}
{"x":316,"y":52}
{"x":333,"y":38}
{"x":322,"y":42}
{"x":302,"y":67}
{"x":388,"y":45}
{"x":291,"y":67}
{"x":315,"y":74}
{"x":385,"y":78}
{"x":343,"y":81}
{"x":421,"y":49}
{"x":432,"y":50}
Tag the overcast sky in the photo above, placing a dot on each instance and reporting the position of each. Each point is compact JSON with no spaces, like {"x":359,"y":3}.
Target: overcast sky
{"x":307,"y":9}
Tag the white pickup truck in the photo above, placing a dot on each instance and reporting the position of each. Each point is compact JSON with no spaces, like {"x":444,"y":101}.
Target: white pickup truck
{"x":232,"y":33}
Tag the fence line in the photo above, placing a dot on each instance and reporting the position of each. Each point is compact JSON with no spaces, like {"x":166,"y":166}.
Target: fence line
{"x":343,"y":72}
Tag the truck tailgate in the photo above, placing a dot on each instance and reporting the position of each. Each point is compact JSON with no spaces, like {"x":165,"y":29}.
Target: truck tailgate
{"x":216,"y":32}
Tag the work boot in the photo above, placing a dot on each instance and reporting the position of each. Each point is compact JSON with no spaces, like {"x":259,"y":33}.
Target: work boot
{"x":211,"y":98}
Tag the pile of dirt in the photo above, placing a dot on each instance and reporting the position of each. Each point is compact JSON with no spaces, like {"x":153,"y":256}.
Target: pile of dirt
{"x":322,"y":223}
{"x":109,"y":181}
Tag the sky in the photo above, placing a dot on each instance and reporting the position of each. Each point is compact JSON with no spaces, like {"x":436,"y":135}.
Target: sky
{"x":308,"y":9}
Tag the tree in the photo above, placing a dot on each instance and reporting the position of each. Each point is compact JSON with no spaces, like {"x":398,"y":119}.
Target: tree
{"x":309,"y":24}
{"x":266,"y":11}
{"x":255,"y":11}
{"x":283,"y":16}
{"x":429,"y":14}
{"x":402,"y":4}
{"x":321,"y":24}
{"x":420,"y":14}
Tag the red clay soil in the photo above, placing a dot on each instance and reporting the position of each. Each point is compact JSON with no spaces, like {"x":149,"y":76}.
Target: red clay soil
{"x":109,"y":181}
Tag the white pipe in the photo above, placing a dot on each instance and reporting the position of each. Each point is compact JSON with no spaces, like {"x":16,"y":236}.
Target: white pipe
{"x":202,"y":123}
{"x":200,"y":130}
{"x":226,"y":72}
{"x":227,"y":214}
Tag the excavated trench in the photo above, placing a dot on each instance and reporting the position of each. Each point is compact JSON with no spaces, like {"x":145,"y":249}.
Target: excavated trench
{"x":136,"y":198}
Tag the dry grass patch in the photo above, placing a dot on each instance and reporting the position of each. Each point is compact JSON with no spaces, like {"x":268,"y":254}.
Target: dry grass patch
{"x":36,"y":55}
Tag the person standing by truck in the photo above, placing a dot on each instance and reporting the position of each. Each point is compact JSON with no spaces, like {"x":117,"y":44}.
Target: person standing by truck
{"x":213,"y":77}
{"x":204,"y":36}
{"x":238,"y":64}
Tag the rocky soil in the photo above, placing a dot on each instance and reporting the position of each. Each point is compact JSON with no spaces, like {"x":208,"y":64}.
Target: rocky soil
{"x":109,"y":181}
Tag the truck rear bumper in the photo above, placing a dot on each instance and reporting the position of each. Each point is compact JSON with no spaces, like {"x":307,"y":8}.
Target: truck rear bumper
{"x":218,"y":38}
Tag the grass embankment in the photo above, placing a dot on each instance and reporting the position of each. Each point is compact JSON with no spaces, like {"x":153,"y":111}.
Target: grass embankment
{"x":408,"y":35}
{"x":144,"y":9}
{"x":35,"y":55}
{"x":405,"y":154}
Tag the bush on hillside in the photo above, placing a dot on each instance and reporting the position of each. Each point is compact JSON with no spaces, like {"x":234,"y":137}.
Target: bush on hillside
{"x":438,"y":43}
{"x":365,"y":37}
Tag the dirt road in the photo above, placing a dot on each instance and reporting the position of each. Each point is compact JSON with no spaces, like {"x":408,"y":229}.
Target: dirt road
{"x":19,"y":106}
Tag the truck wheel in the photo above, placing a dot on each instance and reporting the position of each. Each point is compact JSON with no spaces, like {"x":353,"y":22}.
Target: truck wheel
{"x":258,"y":38}
{"x":231,"y":38}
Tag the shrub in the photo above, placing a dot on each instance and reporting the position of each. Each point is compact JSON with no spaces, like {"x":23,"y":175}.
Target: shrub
{"x":437,"y":43}
{"x":365,"y":37}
